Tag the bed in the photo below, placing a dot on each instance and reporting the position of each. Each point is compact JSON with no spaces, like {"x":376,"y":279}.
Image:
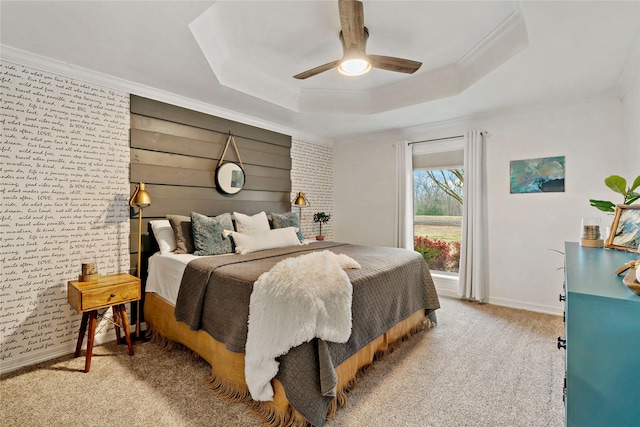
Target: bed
{"x":393,"y":297}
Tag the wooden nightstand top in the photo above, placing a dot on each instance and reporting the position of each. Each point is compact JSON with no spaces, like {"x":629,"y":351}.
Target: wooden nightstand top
{"x":107,"y":291}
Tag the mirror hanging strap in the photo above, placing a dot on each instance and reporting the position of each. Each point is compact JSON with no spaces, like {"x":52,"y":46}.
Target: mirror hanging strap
{"x":230,"y":139}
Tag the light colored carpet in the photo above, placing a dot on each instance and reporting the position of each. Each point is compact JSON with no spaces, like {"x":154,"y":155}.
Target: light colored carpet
{"x":483,"y":365}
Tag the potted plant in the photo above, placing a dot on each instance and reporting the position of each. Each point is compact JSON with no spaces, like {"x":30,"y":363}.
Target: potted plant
{"x":321,"y":218}
{"x":619,"y":185}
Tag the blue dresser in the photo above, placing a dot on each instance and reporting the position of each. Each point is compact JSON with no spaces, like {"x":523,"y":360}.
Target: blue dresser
{"x":602,"y":333}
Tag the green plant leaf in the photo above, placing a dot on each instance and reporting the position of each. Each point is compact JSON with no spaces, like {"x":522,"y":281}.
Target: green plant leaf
{"x":636,"y":183}
{"x":321,"y":217}
{"x":617,"y":184}
{"x":632,"y":197}
{"x":603,"y":205}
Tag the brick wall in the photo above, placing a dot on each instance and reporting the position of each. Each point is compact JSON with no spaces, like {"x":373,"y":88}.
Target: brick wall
{"x":312,"y":173}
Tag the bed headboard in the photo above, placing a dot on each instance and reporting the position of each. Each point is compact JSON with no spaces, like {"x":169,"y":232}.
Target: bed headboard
{"x":175,"y":151}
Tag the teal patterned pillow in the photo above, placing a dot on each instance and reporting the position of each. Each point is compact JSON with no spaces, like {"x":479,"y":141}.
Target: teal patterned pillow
{"x":289,"y":219}
{"x":207,"y":234}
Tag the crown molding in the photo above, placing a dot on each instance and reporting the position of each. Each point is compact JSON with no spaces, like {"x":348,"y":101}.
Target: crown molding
{"x":232,"y":70}
{"x":425,"y":130}
{"x":64,"y":69}
{"x":503,"y":43}
{"x":325,"y":143}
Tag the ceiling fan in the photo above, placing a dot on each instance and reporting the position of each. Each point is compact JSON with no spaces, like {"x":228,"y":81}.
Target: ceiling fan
{"x":355,"y":61}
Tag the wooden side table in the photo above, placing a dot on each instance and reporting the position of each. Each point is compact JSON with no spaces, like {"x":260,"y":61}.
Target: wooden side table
{"x":113,"y":291}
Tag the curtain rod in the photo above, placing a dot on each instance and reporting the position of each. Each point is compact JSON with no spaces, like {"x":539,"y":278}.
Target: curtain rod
{"x":438,"y":139}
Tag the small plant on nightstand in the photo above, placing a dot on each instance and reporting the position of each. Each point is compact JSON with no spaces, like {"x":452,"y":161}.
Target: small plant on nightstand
{"x":321,"y":218}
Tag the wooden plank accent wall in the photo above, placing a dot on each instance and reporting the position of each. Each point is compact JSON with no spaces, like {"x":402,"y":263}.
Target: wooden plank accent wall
{"x":175,"y":151}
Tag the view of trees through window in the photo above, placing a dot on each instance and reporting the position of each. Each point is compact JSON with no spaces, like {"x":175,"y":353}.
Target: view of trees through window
{"x":437,"y":217}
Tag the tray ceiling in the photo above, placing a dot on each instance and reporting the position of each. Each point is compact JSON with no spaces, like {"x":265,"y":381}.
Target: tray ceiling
{"x":236,"y":59}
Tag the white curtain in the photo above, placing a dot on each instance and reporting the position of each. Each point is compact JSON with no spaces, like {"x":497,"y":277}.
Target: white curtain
{"x":404,"y":202}
{"x":472,"y":284}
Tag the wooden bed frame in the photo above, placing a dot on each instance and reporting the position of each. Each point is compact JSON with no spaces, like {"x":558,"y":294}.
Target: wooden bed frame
{"x":227,"y":368}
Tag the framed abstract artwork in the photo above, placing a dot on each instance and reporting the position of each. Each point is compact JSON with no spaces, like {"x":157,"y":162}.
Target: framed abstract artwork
{"x":541,"y":175}
{"x":625,"y":229}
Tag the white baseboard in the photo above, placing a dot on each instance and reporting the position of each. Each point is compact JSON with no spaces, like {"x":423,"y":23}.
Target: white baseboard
{"x":34,"y":358}
{"x":558,"y":311}
{"x":447,"y":286}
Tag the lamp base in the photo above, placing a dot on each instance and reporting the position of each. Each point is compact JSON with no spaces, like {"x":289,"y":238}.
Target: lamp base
{"x":592,"y":243}
{"x":88,"y":277}
{"x":143,"y":339}
{"x":139,"y":338}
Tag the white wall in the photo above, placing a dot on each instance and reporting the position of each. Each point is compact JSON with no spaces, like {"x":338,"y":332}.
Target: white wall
{"x":365,"y":190}
{"x":631,"y":124}
{"x":522,"y":228}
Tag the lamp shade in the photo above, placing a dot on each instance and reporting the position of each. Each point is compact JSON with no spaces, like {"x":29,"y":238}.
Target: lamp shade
{"x":140,"y":197}
{"x":300,"y":200}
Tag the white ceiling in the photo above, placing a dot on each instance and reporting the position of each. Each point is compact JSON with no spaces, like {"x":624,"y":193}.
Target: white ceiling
{"x":237,"y":57}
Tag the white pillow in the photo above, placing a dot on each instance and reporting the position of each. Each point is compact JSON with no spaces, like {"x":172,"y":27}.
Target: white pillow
{"x":164,"y":235}
{"x":251,"y":224}
{"x":277,"y":238}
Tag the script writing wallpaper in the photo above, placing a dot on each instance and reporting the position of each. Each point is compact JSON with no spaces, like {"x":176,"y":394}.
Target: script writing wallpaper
{"x":312,"y":173}
{"x":64,"y":191}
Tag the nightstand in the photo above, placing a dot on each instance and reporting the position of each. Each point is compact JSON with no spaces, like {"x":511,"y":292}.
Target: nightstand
{"x":113,"y":291}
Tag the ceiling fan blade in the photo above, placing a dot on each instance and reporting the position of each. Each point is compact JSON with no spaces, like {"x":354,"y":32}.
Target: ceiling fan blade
{"x":352,"y":23}
{"x":394,"y":64}
{"x":312,"y":72}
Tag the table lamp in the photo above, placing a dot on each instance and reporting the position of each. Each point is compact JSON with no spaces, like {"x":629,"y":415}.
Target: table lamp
{"x":300,"y":201}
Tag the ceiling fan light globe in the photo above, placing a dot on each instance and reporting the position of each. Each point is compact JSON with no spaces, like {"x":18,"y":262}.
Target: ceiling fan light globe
{"x":354,"y":67}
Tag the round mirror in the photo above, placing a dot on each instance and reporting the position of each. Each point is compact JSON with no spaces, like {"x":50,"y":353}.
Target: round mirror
{"x":229,"y":178}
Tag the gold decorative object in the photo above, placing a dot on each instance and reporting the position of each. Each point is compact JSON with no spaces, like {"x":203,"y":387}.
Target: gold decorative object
{"x":631,"y":278}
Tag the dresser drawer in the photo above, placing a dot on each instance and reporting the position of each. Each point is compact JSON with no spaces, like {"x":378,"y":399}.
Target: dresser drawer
{"x":107,"y":291}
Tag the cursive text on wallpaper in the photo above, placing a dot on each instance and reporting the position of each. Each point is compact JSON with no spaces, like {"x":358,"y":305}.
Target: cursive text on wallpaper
{"x":64,"y":186}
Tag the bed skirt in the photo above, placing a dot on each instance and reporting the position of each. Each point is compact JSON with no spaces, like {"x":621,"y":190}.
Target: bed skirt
{"x":227,"y":368}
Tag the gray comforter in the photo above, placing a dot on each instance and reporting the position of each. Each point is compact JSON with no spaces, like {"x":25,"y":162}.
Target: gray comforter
{"x":391,"y":285}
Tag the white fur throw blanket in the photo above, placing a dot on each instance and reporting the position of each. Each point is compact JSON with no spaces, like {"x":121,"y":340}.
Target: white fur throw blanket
{"x":297,"y":300}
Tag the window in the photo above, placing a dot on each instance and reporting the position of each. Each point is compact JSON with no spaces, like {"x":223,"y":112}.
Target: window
{"x":438,"y":184}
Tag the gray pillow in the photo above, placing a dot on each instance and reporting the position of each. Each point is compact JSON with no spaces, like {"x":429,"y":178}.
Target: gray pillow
{"x":181,"y":226}
{"x":289,"y":219}
{"x":207,"y":234}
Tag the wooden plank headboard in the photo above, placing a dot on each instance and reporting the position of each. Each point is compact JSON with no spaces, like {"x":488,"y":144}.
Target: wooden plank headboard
{"x":175,"y":151}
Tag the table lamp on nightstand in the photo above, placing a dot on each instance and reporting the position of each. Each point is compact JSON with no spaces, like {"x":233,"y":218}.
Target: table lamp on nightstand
{"x":139,"y":199}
